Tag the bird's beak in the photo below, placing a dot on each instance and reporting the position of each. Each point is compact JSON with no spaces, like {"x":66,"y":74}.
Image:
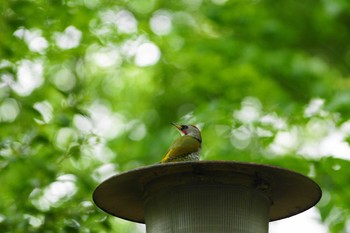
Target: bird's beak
{"x":177,"y":126}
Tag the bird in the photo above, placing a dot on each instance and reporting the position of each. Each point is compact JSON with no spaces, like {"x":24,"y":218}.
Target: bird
{"x":187,"y":147}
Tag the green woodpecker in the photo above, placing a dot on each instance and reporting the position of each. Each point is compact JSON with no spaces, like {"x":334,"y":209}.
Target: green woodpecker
{"x":185,"y":148}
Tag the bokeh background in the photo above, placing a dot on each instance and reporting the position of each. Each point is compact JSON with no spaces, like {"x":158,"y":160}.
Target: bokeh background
{"x":88,"y":88}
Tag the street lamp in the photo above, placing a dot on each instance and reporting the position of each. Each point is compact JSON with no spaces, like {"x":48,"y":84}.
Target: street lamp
{"x":207,"y":196}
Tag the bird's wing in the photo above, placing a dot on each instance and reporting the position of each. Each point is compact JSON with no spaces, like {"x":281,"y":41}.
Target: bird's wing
{"x":182,"y":146}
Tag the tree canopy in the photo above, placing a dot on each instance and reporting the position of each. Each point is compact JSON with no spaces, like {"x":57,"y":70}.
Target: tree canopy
{"x":88,"y":89}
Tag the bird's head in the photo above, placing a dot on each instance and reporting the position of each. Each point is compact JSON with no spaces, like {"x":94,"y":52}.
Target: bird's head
{"x":190,"y":130}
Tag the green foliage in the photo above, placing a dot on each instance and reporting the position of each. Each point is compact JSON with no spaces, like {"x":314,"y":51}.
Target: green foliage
{"x":88,"y":88}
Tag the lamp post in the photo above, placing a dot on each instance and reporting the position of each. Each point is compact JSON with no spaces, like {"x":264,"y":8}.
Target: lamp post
{"x":207,"y":196}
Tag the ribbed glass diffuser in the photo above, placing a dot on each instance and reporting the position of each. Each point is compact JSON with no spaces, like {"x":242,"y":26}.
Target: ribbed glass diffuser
{"x":207,"y":208}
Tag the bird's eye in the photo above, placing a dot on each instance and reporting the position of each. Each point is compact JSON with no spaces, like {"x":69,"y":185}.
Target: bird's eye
{"x":184,"y":127}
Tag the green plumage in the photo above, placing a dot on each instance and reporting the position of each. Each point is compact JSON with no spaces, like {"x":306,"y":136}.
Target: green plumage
{"x":184,"y":148}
